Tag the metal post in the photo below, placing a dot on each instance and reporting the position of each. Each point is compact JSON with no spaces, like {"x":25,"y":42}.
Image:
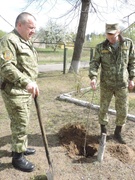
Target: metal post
{"x":91,"y":54}
{"x":64,"y":63}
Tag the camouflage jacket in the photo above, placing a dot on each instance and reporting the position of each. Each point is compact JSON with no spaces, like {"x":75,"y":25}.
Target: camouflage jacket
{"x":117,"y":66}
{"x":18,"y":60}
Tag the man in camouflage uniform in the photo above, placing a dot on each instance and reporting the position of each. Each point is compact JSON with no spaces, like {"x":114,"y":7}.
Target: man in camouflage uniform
{"x":18,"y":71}
{"x":116,"y":57}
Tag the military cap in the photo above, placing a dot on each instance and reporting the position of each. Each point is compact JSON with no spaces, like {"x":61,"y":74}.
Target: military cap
{"x":112,"y":28}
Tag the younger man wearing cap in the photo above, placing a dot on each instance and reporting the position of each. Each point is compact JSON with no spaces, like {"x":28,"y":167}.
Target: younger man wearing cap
{"x":117,"y":59}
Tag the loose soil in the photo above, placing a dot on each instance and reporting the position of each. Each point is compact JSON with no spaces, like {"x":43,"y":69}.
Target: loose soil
{"x":73,"y":145}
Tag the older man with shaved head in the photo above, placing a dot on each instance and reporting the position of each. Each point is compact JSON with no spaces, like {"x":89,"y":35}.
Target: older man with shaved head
{"x":19,"y":71}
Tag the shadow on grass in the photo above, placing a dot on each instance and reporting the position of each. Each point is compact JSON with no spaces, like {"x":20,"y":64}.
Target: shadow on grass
{"x":5,"y":166}
{"x":34,"y":140}
{"x":37,"y":140}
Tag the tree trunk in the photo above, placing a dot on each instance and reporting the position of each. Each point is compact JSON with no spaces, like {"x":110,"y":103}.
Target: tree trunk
{"x":74,"y":67}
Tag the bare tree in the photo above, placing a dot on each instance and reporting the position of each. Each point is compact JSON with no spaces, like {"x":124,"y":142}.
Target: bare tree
{"x":81,"y":28}
{"x":88,"y":6}
{"x":74,"y":67}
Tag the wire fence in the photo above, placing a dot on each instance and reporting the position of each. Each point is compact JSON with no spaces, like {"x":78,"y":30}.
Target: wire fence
{"x":55,"y":53}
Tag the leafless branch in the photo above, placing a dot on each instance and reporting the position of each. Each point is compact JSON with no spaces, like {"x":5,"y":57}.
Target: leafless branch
{"x":129,"y":15}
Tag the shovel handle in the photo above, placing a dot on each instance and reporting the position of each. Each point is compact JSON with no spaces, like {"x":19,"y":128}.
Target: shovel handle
{"x":42,"y":130}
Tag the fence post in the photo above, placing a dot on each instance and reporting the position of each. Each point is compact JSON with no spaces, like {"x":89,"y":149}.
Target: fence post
{"x":64,"y":63}
{"x":91,"y":53}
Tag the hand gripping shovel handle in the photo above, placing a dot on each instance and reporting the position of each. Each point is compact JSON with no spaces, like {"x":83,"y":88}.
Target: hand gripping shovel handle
{"x":42,"y":131}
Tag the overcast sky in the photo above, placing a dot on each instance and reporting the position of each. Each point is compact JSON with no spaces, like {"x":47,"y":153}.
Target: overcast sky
{"x":11,"y":8}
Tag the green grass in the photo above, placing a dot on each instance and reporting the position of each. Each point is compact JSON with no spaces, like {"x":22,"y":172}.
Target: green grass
{"x":48,"y":56}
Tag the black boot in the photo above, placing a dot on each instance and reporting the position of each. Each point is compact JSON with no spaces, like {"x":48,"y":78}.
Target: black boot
{"x":29,"y":151}
{"x":103,"y":129}
{"x":19,"y":162}
{"x":117,"y":135}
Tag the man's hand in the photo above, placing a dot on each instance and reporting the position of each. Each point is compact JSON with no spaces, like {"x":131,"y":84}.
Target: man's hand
{"x":33,"y":89}
{"x":131,"y":85}
{"x":93,"y":84}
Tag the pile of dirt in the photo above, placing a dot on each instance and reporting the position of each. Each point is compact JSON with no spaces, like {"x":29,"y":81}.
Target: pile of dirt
{"x":121,"y":152}
{"x":76,"y":141}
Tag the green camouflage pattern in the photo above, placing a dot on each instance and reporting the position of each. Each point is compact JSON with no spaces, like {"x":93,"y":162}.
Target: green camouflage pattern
{"x":18,"y":108}
{"x":18,"y":67}
{"x":117,"y":67}
{"x":121,"y":105}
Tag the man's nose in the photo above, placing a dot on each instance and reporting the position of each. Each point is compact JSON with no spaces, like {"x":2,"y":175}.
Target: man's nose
{"x":33,"y":30}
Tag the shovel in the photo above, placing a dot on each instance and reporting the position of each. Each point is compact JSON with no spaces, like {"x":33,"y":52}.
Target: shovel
{"x":49,"y":173}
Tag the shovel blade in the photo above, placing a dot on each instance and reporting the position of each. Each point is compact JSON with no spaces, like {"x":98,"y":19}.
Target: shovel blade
{"x":49,"y":176}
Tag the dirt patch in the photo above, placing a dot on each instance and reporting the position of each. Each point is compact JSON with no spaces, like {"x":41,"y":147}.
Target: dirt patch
{"x":122,"y":152}
{"x":74,"y":138}
{"x":76,"y":141}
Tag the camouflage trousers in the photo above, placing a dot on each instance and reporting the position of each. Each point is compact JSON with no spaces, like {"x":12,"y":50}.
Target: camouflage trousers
{"x":121,"y":105}
{"x":18,"y":108}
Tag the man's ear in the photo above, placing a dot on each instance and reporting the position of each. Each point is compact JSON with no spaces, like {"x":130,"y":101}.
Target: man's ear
{"x":118,"y":32}
{"x":19,"y":24}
